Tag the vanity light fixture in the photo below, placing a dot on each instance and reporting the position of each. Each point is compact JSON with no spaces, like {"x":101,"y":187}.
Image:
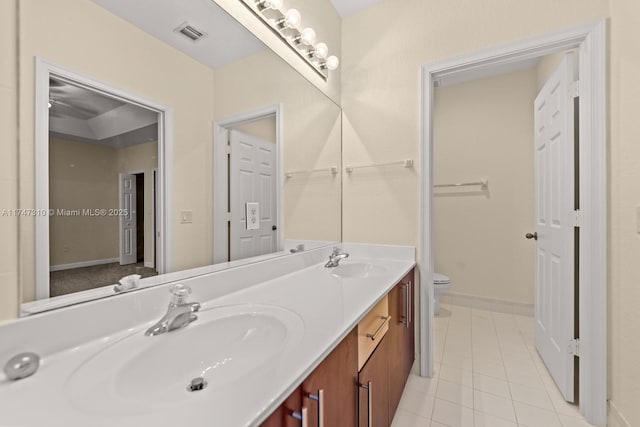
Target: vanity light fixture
{"x":286,"y":24}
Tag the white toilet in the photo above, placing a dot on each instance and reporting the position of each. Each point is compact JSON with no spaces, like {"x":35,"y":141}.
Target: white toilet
{"x":441,"y":284}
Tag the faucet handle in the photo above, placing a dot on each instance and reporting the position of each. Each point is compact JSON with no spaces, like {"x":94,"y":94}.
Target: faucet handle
{"x":336,"y":251}
{"x":179,"y":293}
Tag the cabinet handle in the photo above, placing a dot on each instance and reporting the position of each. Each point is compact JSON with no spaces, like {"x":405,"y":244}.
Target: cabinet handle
{"x":320,"y":399}
{"x":302,"y":416}
{"x":408,"y":306}
{"x":369,"y":387}
{"x":385,"y":320}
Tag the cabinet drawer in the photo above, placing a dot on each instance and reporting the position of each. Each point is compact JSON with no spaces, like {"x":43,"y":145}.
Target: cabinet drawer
{"x":371,"y":329}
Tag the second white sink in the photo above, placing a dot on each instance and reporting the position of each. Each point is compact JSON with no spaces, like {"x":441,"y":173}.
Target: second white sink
{"x":357,"y":270}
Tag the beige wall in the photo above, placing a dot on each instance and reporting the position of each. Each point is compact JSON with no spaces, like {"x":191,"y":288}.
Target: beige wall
{"x":484,"y":130}
{"x":381,"y":92}
{"x":81,"y":176}
{"x":116,"y":53}
{"x":624,"y":186}
{"x":9,"y":290}
{"x":264,"y":129}
{"x":311,"y":138}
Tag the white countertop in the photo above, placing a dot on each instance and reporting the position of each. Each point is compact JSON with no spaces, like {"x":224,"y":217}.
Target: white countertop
{"x":329,"y":306}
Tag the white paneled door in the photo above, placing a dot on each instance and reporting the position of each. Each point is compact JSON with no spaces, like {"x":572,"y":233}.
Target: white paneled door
{"x":252,"y":174}
{"x":128,"y":226}
{"x":555,"y":225}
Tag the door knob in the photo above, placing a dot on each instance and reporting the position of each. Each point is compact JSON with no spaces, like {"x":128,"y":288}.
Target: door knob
{"x":274,"y":227}
{"x":533,"y":236}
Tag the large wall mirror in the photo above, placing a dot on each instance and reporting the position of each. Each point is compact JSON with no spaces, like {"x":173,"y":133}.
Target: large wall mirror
{"x":158,"y":143}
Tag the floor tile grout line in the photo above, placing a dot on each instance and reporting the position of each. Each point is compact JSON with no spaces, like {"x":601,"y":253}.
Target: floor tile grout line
{"x":546,"y":391}
{"x":513,"y":405}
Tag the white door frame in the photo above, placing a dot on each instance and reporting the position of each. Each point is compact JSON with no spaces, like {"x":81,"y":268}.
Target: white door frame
{"x":46,"y":69}
{"x":221,"y":173}
{"x":592,"y":41}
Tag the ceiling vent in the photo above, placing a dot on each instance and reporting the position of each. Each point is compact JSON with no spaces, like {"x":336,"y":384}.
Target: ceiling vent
{"x":188,"y":31}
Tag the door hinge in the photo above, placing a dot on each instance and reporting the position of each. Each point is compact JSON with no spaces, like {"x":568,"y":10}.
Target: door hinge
{"x":576,"y":218}
{"x":574,"y":89}
{"x":574,"y":347}
{"x":228,"y":216}
{"x":227,"y":149}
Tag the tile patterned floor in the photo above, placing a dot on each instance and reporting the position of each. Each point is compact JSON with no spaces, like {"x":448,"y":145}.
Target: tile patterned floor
{"x":488,"y":374}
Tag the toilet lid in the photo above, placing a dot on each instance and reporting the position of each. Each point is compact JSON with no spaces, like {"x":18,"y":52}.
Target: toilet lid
{"x":440,"y":278}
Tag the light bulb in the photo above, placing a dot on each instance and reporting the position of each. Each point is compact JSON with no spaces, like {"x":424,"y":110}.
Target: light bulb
{"x":308,"y":36}
{"x":292,"y":19}
{"x":332,"y":63}
{"x":321,"y":51}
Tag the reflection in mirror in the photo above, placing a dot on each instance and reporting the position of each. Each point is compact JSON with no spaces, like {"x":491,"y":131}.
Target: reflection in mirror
{"x":247,"y":215}
{"x":225,"y":88}
{"x":103,"y":158}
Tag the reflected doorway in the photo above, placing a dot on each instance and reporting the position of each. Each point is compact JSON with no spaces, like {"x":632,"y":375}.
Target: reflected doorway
{"x":248,"y":186}
{"x":98,"y":225}
{"x":99,"y":181}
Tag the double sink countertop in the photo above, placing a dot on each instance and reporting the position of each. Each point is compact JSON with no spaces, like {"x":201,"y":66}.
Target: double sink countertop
{"x":261,"y":330}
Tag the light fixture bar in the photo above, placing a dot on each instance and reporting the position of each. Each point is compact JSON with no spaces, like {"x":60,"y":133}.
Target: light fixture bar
{"x":286,"y":26}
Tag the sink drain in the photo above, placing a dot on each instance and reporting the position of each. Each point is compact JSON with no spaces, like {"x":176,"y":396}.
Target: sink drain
{"x":197,"y":384}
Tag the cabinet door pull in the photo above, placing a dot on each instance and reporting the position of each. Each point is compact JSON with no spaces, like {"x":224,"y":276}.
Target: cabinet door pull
{"x":369,"y":387}
{"x":320,"y":399}
{"x":302,"y":416}
{"x":385,"y":320}
{"x":408,"y":303}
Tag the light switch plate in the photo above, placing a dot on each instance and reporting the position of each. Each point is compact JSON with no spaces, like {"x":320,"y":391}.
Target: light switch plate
{"x":186,"y":217}
{"x":253,"y":216}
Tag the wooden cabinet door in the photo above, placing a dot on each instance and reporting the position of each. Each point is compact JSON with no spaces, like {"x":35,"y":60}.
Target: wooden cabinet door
{"x":282,"y":417}
{"x":401,"y":339}
{"x":373,"y":396}
{"x":335,"y":382}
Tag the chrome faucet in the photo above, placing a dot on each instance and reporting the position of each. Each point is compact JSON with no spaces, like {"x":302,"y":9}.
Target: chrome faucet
{"x":179,"y":313}
{"x":336,"y":256}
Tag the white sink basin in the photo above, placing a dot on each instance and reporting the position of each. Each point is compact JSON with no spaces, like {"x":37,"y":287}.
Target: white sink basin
{"x":140,"y":373}
{"x":357,"y":270}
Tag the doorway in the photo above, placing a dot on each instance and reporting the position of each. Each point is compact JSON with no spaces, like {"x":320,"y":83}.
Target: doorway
{"x":590,"y":40}
{"x":82,"y":147}
{"x":248,"y":200}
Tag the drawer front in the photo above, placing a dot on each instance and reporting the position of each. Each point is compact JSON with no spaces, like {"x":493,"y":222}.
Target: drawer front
{"x":371,"y":329}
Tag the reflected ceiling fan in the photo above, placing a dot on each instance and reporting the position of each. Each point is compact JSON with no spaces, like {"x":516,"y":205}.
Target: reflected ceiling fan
{"x":59,"y":106}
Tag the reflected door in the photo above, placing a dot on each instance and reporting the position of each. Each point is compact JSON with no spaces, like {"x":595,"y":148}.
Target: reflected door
{"x":252,"y":168}
{"x":128,"y":227}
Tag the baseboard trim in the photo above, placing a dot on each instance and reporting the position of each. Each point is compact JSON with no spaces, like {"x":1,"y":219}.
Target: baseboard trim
{"x":484,"y":303}
{"x":616,"y":419}
{"x":81,"y":264}
{"x":149,"y":264}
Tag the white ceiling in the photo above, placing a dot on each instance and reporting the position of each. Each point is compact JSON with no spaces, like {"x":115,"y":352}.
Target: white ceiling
{"x":226,"y":41}
{"x":83,"y":115}
{"x":350,"y":7}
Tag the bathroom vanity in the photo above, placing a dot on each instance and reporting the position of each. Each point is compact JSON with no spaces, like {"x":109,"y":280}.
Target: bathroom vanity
{"x":361,"y":381}
{"x":274,"y":341}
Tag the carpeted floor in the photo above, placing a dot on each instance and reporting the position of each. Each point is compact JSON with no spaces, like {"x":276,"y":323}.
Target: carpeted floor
{"x":80,"y":279}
